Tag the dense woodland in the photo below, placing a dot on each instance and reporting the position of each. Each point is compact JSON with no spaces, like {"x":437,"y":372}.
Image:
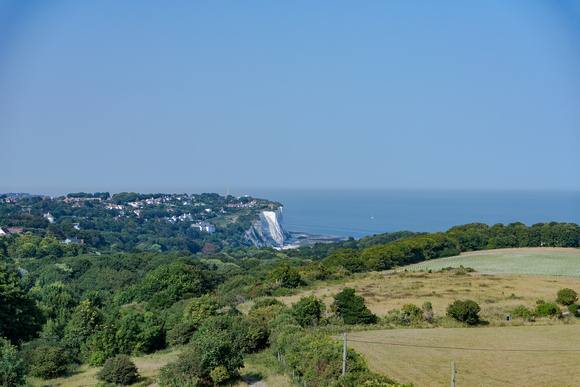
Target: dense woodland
{"x":66,"y":304}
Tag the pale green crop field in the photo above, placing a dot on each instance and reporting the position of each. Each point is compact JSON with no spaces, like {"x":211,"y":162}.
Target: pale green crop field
{"x":515,"y":261}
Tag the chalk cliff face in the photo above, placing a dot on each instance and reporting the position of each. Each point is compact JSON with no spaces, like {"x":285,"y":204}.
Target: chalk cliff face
{"x":269,"y":230}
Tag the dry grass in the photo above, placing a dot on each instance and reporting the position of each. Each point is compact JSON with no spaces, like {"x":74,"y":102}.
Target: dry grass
{"x":496,"y":294}
{"x":148,"y":367}
{"x":415,"y":362}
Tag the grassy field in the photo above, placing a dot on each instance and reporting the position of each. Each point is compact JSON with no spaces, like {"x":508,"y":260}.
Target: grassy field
{"x":512,"y":261}
{"x":147,"y":365}
{"x":497,"y":294}
{"x":258,"y":367}
{"x":422,"y":357}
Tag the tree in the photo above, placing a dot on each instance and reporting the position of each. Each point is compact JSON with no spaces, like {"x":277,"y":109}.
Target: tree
{"x":308,"y":311}
{"x":350,"y":259}
{"x":20,"y":318}
{"x":566,"y":296}
{"x":464,"y":311}
{"x":200,"y":309}
{"x":11,"y":366}
{"x":352,"y":309}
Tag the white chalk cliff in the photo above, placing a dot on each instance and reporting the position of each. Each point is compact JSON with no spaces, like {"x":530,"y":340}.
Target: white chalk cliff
{"x":269,"y":230}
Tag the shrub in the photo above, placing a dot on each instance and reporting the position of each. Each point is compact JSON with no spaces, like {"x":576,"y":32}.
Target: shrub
{"x":521,"y":311}
{"x":411,"y":313}
{"x":573,"y":309}
{"x":352,"y":309}
{"x":464,"y":311}
{"x":547,"y":309}
{"x":119,"y":370}
{"x":308,"y":311}
{"x":211,"y":347}
{"x":566,"y":296}
{"x":47,"y":361}
{"x":219,"y":374}
{"x":428,"y":312}
{"x":284,"y":276}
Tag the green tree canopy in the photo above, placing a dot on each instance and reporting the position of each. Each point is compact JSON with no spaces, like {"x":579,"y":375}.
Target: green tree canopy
{"x":352,"y":309}
{"x":20,"y":318}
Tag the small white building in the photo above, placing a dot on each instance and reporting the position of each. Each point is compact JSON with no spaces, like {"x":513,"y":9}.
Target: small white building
{"x":49,"y":217}
{"x":205,"y":227}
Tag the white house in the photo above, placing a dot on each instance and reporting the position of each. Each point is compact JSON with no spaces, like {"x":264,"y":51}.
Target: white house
{"x":204,"y":226}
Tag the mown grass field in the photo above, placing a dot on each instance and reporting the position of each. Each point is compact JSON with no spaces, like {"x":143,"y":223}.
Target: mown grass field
{"x":422,"y":358}
{"x":549,"y":262}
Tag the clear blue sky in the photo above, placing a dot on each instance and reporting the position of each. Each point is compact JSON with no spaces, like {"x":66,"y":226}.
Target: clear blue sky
{"x":178,"y":96}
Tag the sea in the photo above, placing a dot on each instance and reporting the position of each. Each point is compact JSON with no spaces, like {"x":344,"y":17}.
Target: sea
{"x":362,"y":212}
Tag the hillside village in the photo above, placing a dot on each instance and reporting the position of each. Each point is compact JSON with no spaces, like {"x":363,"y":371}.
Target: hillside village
{"x":77,"y":218}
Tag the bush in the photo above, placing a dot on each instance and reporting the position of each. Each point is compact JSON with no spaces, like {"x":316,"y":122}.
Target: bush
{"x":207,"y":351}
{"x":47,"y":361}
{"x":308,"y":311}
{"x":119,"y":370}
{"x":464,"y":311}
{"x":523,"y":312}
{"x":352,"y":308}
{"x":547,"y":309}
{"x":411,"y":313}
{"x":284,"y":276}
{"x":428,"y":312}
{"x":573,"y":309}
{"x":566,"y":296}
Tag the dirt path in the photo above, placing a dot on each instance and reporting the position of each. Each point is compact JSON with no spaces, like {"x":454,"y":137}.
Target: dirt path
{"x":253,"y":381}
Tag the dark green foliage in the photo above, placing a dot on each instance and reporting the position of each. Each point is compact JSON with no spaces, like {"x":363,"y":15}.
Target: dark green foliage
{"x":352,"y":309}
{"x":265,"y":302}
{"x":566,"y":296}
{"x":350,"y":259}
{"x":308,"y":311}
{"x":464,"y":311}
{"x":11,"y":366}
{"x":139,"y":331}
{"x":207,"y":351}
{"x":522,"y":312}
{"x":315,"y":357}
{"x":246,"y":334}
{"x":170,"y":283}
{"x":20,"y":318}
{"x":284,"y":276}
{"x":119,"y":370}
{"x":574,"y":310}
{"x":83,"y":323}
{"x":479,"y":236}
{"x":200,"y":309}
{"x":547,"y":309}
{"x":180,"y":334}
{"x":46,"y":361}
